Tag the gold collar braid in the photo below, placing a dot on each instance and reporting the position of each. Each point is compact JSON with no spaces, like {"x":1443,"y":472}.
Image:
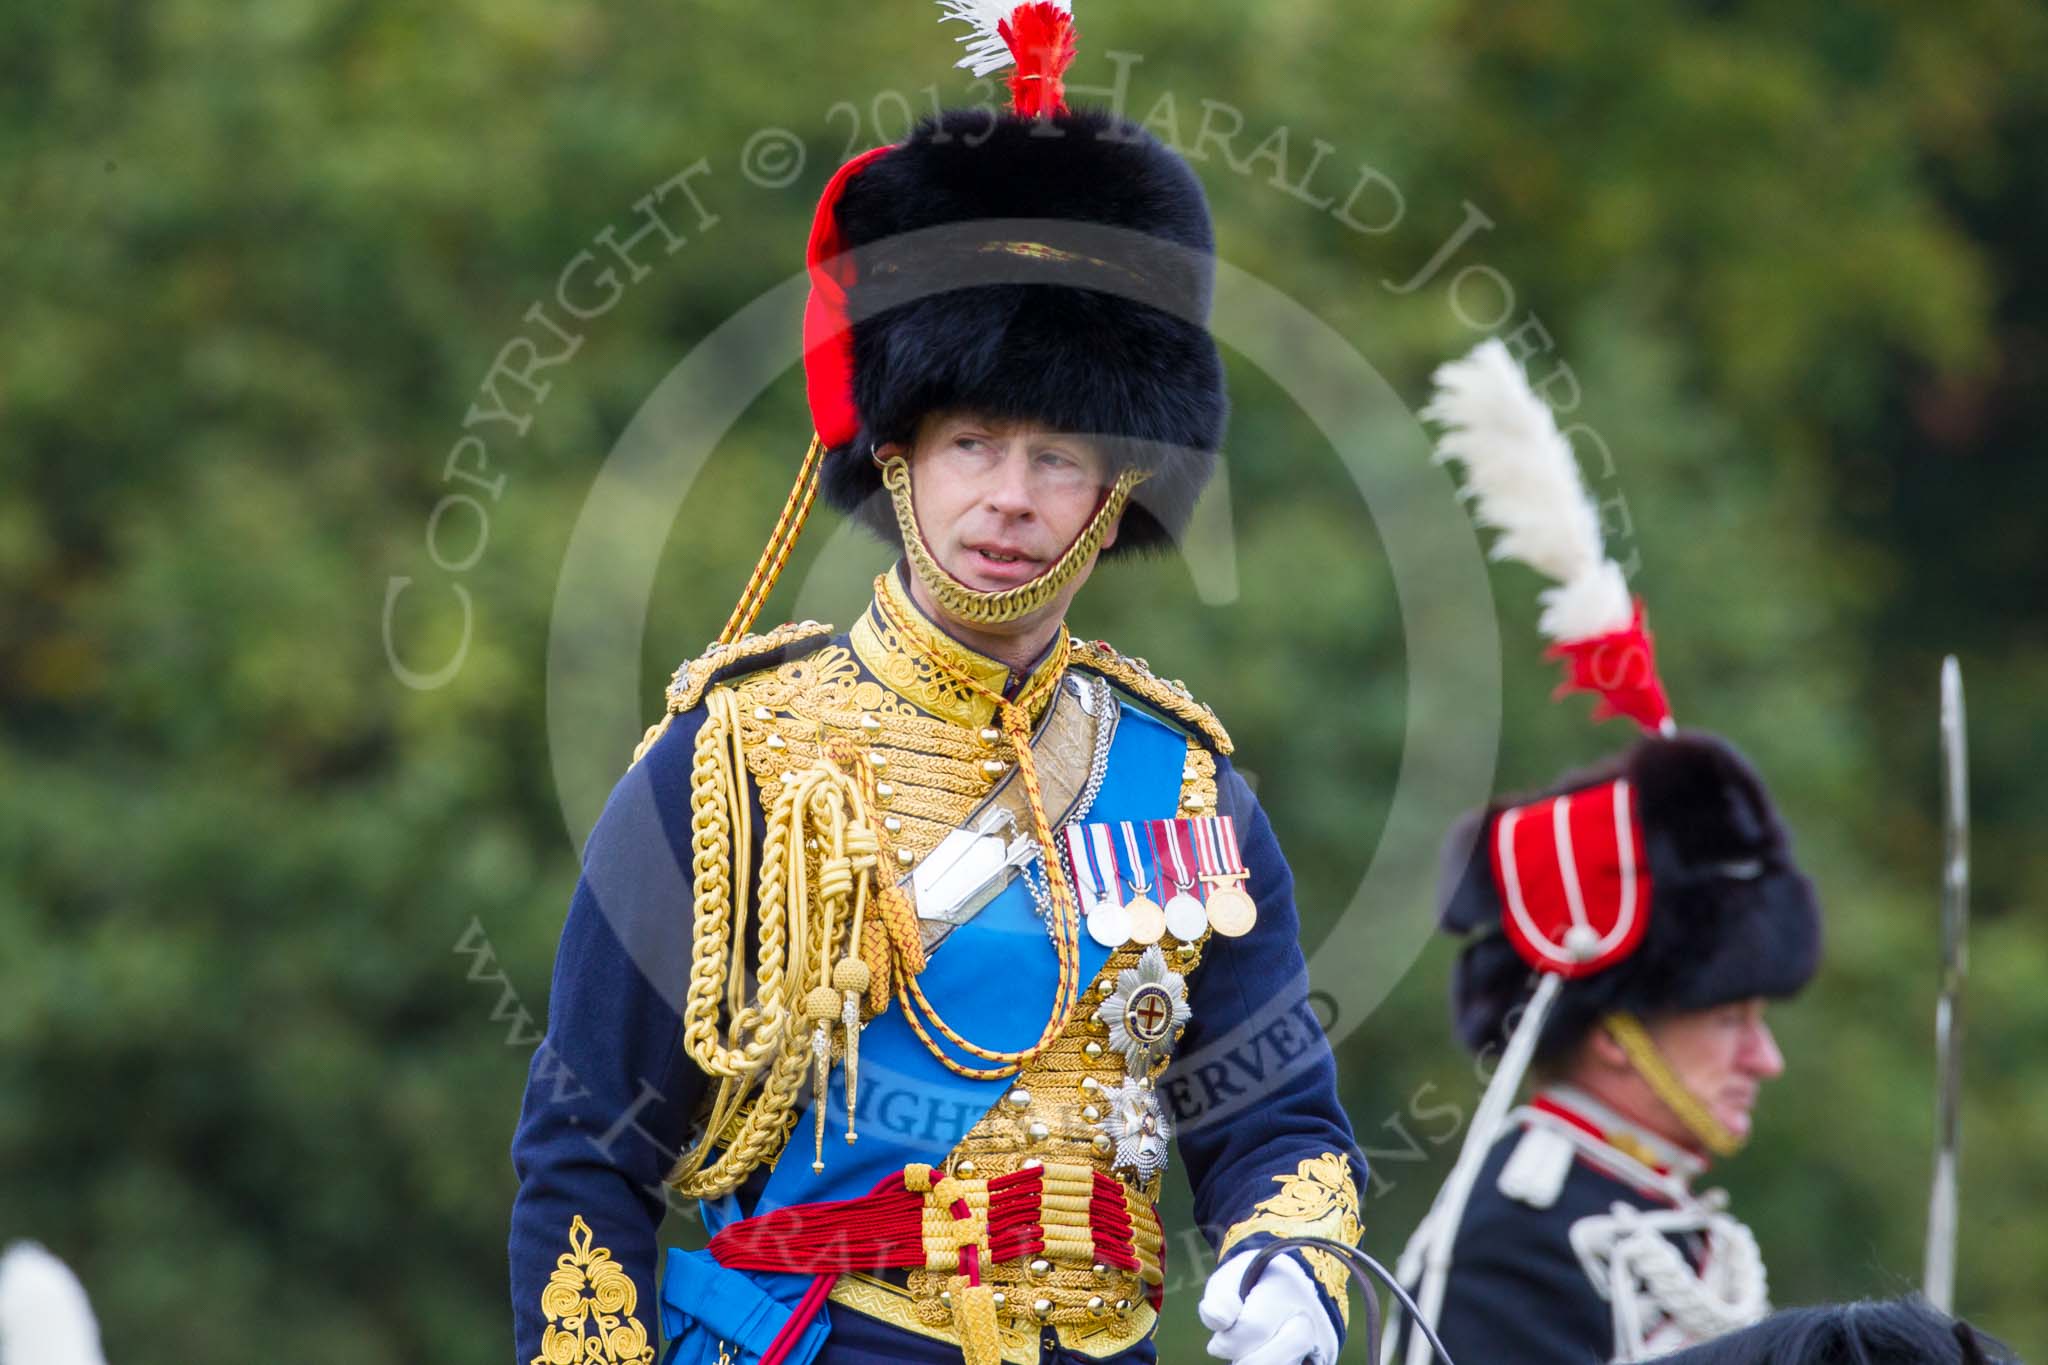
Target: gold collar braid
{"x":1011,"y":604}
{"x":1656,"y":1072}
{"x":912,"y":674}
{"x":1014,"y":718}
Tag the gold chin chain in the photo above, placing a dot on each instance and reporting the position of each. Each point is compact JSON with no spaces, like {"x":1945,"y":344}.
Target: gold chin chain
{"x":1011,"y":604}
{"x":1014,"y":718}
{"x":1649,"y":1063}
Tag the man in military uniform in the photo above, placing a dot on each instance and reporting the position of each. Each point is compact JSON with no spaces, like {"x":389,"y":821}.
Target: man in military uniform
{"x":1583,"y":1238}
{"x":1625,"y":930}
{"x":950,"y":881}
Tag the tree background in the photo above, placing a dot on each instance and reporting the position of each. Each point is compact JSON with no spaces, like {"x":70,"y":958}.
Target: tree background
{"x":271,"y":917}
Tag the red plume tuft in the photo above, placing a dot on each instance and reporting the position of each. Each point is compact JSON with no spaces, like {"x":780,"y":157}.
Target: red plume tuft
{"x":1620,"y":667}
{"x":1041,"y":37}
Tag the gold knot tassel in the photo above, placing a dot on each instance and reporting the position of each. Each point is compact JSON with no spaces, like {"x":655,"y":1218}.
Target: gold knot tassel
{"x":974,"y":1315}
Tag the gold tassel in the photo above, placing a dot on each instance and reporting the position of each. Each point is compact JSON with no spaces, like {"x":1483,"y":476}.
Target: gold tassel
{"x":974,"y":1315}
{"x":850,"y":979}
{"x":821,"y":1006}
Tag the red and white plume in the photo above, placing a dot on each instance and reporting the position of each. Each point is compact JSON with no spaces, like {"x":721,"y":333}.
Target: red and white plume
{"x":1524,"y":483}
{"x":1037,"y":37}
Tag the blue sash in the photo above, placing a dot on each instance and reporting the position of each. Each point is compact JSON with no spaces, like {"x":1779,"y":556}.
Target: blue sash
{"x":993,"y":980}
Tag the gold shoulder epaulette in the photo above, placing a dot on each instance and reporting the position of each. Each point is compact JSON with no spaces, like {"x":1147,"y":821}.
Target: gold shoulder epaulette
{"x":1136,"y":677}
{"x":696,"y":675}
{"x":744,"y":655}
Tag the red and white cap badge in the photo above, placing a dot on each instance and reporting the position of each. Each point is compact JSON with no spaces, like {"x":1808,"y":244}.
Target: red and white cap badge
{"x":1573,"y":879}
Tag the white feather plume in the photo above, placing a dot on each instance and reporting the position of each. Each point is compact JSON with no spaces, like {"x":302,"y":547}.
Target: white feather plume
{"x":44,"y":1316}
{"x":986,"y":50}
{"x":1524,"y":483}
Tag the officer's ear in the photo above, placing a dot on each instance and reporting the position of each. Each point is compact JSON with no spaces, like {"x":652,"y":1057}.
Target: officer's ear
{"x":883,"y":451}
{"x":1602,"y":1052}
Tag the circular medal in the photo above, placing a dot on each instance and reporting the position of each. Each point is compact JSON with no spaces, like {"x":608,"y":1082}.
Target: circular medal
{"x":1231,"y":912}
{"x":1147,"y":920}
{"x":1148,"y":1015}
{"x":1185,"y":917}
{"x":1109,"y":924}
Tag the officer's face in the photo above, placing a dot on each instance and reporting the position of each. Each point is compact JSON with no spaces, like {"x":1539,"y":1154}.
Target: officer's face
{"x":1723,"y":1055}
{"x":999,"y":502}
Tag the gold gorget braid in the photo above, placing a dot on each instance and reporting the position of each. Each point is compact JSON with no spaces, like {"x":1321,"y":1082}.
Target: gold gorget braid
{"x":1011,"y":604}
{"x":1648,"y":1062}
{"x":914,"y":671}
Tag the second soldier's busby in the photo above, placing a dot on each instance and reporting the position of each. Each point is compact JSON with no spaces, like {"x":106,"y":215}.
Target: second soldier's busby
{"x":1684,"y":827}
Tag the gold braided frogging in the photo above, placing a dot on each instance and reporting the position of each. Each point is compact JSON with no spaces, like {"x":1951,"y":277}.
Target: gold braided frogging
{"x":1649,"y":1063}
{"x":1014,"y":719}
{"x":818,"y":876}
{"x":1011,"y":604}
{"x":817,"y":817}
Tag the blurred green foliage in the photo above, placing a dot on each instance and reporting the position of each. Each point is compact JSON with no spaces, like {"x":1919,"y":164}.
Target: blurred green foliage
{"x":271,"y":917}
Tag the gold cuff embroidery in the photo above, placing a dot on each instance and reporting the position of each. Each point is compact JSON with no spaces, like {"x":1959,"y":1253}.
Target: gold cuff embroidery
{"x":1318,"y":1200}
{"x":589,"y":1303}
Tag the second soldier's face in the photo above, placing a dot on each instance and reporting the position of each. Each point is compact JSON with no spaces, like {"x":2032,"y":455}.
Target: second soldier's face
{"x":999,"y":502}
{"x":1723,"y":1055}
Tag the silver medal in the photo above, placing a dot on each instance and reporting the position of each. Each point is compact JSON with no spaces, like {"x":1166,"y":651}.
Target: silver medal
{"x":1109,"y":924}
{"x":1185,"y":917}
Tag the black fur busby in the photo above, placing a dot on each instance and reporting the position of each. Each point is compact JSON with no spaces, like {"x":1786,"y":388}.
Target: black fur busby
{"x":1063,"y":349}
{"x":1731,"y":915}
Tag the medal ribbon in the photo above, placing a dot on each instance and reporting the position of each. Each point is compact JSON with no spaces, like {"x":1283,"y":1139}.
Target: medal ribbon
{"x":1081,"y":858}
{"x":1216,"y":848}
{"x":1102,"y":864}
{"x":1139,"y":884}
{"x":1170,"y":846}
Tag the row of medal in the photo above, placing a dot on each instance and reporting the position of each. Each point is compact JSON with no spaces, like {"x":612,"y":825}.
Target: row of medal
{"x":1140,"y":880}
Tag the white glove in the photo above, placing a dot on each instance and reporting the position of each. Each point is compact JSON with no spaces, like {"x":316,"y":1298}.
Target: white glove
{"x":1283,"y":1322}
